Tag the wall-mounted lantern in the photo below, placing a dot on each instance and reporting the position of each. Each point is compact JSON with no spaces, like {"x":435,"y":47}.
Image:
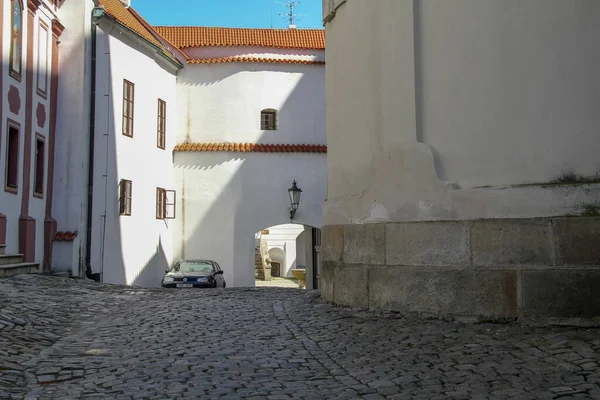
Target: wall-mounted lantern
{"x":294,"y":193}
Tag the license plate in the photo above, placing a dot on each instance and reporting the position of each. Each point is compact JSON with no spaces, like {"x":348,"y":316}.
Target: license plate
{"x":185,"y":285}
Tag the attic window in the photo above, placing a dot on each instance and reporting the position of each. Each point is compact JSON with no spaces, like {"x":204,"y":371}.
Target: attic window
{"x":268,"y":119}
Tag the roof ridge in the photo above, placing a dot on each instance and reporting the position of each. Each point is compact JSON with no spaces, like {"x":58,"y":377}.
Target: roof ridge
{"x":203,"y":36}
{"x":236,"y":27}
{"x":132,"y":20}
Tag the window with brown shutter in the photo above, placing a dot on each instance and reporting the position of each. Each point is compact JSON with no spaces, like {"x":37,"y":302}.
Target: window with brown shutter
{"x":125,"y":197}
{"x":160,"y":203}
{"x":128,"y":103}
{"x":40,"y":163}
{"x":165,"y":204}
{"x":161,"y":124}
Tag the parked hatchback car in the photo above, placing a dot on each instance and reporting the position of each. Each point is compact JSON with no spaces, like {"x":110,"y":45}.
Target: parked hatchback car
{"x":194,"y":274}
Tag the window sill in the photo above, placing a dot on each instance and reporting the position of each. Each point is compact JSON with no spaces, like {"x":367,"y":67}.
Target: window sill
{"x":38,"y":195}
{"x":11,"y":189}
{"x":42,"y":94}
{"x":15,"y":75}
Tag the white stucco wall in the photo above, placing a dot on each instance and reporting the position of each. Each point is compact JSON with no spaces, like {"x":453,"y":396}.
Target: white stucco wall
{"x":291,"y":240}
{"x":518,"y":94}
{"x":225,"y":198}
{"x":254,"y":51}
{"x":428,"y":100}
{"x":222,"y":102}
{"x":72,"y":134}
{"x":132,"y":249}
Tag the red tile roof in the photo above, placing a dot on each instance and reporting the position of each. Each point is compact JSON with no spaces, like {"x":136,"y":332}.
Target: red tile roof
{"x":219,"y":60}
{"x":201,"y":36}
{"x":133,"y":21}
{"x":65,"y":236}
{"x":252,"y":147}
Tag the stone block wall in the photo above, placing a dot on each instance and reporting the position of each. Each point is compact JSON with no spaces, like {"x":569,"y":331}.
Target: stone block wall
{"x":540,"y":270}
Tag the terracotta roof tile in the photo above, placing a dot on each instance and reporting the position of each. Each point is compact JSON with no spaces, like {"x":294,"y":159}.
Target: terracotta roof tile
{"x":252,"y":147}
{"x":131,"y":19}
{"x":201,"y":36}
{"x":219,"y":60}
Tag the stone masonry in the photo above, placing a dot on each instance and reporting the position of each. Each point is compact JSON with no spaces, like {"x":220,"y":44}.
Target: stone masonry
{"x":543,"y":269}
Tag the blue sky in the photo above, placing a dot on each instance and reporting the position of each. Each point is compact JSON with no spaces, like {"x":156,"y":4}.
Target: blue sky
{"x":229,"y":13}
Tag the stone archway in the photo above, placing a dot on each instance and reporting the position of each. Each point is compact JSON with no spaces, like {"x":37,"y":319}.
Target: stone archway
{"x":283,"y":248}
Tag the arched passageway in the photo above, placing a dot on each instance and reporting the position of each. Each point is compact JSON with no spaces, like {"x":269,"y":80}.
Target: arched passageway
{"x":281,"y":249}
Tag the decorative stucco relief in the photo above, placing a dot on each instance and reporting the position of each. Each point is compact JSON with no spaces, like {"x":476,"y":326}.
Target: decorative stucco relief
{"x":14,"y":100}
{"x":40,"y":113}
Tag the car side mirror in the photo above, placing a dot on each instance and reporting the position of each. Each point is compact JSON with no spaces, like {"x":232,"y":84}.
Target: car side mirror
{"x":166,"y":271}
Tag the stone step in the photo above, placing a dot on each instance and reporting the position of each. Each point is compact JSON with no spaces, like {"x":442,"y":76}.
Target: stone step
{"x":7,"y":270}
{"x":2,"y":248}
{"x":11,"y":259}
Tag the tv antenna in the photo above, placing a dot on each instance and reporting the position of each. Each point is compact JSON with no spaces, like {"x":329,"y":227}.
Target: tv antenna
{"x":290,"y":16}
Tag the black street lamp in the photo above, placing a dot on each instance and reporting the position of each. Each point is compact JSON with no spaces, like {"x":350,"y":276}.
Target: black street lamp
{"x":294,"y":193}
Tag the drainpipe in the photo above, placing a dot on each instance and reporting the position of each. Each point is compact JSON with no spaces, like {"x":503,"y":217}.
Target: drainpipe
{"x":97,"y":12}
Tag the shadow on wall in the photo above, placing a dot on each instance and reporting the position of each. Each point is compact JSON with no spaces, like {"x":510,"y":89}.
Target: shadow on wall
{"x":107,"y":244}
{"x":301,"y":98}
{"x":137,"y":258}
{"x":252,"y":195}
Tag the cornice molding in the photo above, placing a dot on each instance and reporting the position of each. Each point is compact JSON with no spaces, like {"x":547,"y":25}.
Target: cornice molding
{"x":57,"y":28}
{"x":33,"y":5}
{"x":330,"y":8}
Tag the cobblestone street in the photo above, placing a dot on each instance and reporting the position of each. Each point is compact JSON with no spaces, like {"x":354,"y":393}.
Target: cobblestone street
{"x":65,"y":338}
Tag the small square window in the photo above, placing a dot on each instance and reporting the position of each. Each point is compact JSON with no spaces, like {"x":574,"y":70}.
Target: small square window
{"x":268,"y":120}
{"x":165,"y":204}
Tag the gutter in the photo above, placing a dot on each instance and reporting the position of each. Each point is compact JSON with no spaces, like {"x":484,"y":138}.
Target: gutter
{"x":96,"y":14}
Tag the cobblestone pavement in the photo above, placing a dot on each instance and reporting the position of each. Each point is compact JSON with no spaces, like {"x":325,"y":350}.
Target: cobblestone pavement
{"x":63,"y":338}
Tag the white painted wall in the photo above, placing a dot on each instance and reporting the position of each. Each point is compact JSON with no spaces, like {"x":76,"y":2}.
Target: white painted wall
{"x":225,"y":198}
{"x":254,"y":51}
{"x":516,"y":95}
{"x":72,"y":134}
{"x":132,"y":249}
{"x":427,"y":100}
{"x":222,"y":102}
{"x":290,"y":239}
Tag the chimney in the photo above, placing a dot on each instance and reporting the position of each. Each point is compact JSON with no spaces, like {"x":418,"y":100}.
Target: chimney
{"x":292,"y":27}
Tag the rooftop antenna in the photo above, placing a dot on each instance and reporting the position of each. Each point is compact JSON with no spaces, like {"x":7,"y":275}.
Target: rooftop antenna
{"x":290,"y":16}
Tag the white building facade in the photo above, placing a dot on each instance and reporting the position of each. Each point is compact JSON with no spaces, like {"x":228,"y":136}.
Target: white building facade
{"x":115,"y":204}
{"x":463,"y":169}
{"x":137,"y":147}
{"x":234,"y":169}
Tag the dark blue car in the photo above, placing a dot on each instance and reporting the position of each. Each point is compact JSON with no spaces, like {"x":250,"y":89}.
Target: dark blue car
{"x":194,"y":274}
